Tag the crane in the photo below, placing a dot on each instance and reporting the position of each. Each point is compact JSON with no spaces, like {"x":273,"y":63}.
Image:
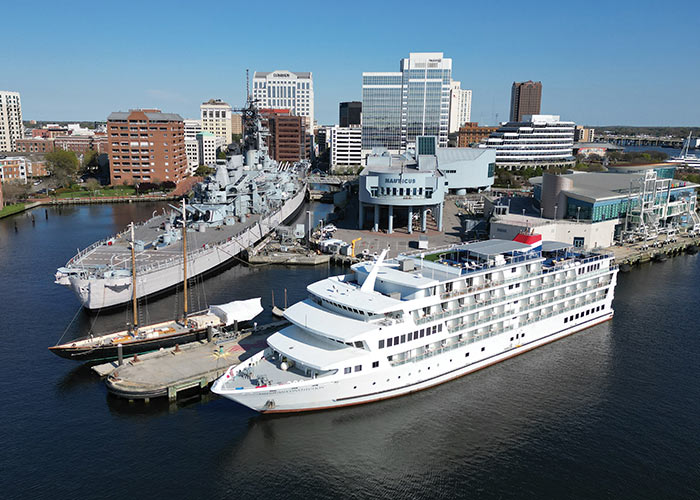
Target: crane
{"x":353,"y":245}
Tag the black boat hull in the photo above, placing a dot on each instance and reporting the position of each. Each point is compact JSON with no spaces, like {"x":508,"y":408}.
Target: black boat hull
{"x":109,"y":352}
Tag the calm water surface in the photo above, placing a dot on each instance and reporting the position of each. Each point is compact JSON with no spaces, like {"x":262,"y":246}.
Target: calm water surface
{"x":612,"y":412}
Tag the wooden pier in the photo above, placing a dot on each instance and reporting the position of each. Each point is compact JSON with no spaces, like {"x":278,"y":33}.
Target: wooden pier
{"x":167,"y":372}
{"x":654,"y":250}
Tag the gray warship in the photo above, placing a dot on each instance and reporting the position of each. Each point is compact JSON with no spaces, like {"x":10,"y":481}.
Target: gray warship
{"x":246,"y":199}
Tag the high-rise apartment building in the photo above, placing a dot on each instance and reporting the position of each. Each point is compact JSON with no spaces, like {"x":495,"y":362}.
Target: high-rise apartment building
{"x":398,"y":107}
{"x":146,"y":145}
{"x":350,"y":113}
{"x":460,"y":106}
{"x":525,"y":99}
{"x":216,"y":118}
{"x":11,"y":127}
{"x":286,"y":90}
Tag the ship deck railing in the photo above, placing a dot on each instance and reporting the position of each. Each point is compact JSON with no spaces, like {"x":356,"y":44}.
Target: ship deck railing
{"x":492,"y":331}
{"x":530,"y":306}
{"x":265,"y":373}
{"x":496,"y":300}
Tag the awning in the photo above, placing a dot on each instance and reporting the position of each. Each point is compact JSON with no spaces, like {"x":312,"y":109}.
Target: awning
{"x":238,"y":310}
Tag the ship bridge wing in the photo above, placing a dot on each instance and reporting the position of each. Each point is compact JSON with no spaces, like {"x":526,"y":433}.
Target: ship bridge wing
{"x":314,"y":318}
{"x":310,"y":350}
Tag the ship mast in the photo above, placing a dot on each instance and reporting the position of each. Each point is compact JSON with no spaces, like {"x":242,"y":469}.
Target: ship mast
{"x":133,"y":280}
{"x":184,"y":253}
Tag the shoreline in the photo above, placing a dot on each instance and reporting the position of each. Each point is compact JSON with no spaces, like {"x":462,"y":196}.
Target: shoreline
{"x":33,"y":203}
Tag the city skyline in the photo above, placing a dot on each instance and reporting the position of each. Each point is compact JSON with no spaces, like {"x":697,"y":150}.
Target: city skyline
{"x":603,"y":65}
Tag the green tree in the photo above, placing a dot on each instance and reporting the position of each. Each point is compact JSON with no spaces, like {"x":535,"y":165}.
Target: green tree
{"x":203,"y":171}
{"x":89,"y":161}
{"x":221,"y":155}
{"x":14,"y":192}
{"x":63,"y":166}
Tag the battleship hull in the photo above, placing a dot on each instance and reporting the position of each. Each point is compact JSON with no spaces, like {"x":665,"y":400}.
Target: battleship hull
{"x":99,"y":293}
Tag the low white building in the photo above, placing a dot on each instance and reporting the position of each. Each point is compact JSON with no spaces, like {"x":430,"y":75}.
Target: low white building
{"x":346,"y":146}
{"x":13,"y":169}
{"x":578,"y":234}
{"x":208,"y":144}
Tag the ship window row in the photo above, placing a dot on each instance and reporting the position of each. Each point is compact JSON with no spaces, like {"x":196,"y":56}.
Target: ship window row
{"x":340,"y":306}
{"x":589,"y":268}
{"x":418,"y":334}
{"x":358,"y":368}
{"x":584,"y":313}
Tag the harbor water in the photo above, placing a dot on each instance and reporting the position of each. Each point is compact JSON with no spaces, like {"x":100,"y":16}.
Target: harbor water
{"x":611,"y":412}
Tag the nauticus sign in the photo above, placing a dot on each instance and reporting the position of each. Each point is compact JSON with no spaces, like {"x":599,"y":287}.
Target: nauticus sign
{"x":398,"y":180}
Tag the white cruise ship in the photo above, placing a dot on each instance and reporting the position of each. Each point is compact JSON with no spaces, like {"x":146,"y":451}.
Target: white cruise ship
{"x":394,"y":327}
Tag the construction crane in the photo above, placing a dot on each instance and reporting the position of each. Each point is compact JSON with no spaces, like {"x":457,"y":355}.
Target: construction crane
{"x":353,"y":245}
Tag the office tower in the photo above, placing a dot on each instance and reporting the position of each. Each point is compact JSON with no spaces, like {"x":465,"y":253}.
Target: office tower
{"x":146,"y":145}
{"x":350,"y":113}
{"x":286,"y":90}
{"x":11,"y":127}
{"x":525,"y":99}
{"x":399,"y":106}
{"x":216,"y":118}
{"x":534,"y":141}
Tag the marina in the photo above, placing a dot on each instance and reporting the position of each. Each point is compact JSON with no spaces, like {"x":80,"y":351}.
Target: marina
{"x":587,"y":387}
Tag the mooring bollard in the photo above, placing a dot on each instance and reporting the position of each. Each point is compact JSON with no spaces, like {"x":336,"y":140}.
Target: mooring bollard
{"x":120,"y":354}
{"x":210,"y":333}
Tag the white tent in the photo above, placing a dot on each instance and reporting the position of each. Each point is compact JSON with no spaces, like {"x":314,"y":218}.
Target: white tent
{"x":241,"y":310}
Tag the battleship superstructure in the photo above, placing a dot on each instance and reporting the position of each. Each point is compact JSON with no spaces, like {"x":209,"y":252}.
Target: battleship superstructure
{"x":244,"y":201}
{"x":400,"y":326}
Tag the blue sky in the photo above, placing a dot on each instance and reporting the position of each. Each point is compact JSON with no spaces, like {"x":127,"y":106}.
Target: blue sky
{"x":616,"y":62}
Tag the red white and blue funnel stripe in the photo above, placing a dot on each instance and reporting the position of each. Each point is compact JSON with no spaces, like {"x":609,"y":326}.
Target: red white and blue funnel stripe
{"x":534,"y":241}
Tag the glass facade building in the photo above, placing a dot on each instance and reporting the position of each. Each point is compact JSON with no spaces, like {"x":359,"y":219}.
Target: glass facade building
{"x":398,"y":107}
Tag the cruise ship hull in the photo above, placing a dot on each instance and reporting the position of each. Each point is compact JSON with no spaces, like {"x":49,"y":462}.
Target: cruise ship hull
{"x":99,"y":293}
{"x":339,"y":391}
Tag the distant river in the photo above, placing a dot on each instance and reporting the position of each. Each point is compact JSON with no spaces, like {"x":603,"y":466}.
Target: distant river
{"x":611,"y":412}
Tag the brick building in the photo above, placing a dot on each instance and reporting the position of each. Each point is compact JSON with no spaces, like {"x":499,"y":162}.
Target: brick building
{"x":35,"y":145}
{"x":79,"y":144}
{"x":471,"y":133}
{"x":146,"y":145}
{"x":50,"y":132}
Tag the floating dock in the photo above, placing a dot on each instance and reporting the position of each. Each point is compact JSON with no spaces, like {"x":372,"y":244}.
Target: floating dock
{"x":167,"y":372}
